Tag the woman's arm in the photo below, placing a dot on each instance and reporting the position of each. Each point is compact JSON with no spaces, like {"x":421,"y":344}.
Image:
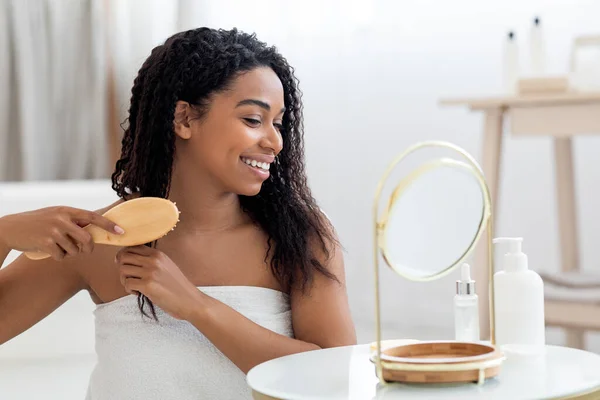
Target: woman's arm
{"x":4,"y":251}
{"x":244,"y":342}
{"x":30,"y":290}
{"x":321,"y":317}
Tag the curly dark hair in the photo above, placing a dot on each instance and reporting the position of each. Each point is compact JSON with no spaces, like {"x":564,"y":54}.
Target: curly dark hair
{"x":190,"y":66}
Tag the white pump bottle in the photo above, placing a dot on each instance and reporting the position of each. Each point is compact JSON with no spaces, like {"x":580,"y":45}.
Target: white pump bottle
{"x":519,"y":301}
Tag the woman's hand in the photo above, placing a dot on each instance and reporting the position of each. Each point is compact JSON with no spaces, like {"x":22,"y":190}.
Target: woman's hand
{"x":152,"y":273}
{"x":57,"y":231}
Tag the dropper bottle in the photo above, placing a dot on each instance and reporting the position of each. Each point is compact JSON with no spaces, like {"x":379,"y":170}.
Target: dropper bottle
{"x":466,"y":308}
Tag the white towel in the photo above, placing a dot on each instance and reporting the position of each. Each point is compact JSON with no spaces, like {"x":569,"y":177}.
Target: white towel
{"x":139,"y":358}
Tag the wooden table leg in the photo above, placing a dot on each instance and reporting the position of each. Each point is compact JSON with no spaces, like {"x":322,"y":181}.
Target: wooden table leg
{"x":491,"y":157}
{"x":565,"y":194}
{"x":567,"y":220}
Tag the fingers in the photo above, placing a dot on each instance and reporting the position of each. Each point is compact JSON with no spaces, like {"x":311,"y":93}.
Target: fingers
{"x":82,"y":238}
{"x":125,"y":257}
{"x":140,"y":250}
{"x":133,"y":278}
{"x":90,"y":217}
{"x":131,"y":272}
{"x":68,"y":245}
{"x":59,"y":243}
{"x":136,"y":269}
{"x":55,"y":251}
{"x":132,"y":285}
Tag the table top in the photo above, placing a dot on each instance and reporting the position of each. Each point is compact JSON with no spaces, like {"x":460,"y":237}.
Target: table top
{"x":347,"y":373}
{"x":569,"y":98}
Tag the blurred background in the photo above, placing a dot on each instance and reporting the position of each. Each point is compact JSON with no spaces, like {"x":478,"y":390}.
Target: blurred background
{"x":373,"y":73}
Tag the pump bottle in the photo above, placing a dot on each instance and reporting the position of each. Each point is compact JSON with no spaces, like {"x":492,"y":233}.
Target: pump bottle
{"x":519,"y":300}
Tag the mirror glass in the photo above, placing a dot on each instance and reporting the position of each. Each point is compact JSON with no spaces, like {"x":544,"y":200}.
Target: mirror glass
{"x":432,"y":219}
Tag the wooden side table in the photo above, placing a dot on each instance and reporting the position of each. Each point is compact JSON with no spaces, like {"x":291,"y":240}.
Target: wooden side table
{"x":561,"y":116}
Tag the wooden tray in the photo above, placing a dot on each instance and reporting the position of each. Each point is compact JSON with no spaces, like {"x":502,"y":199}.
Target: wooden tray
{"x":440,"y":362}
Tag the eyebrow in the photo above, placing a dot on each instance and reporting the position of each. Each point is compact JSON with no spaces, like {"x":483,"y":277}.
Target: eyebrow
{"x":255,"y":102}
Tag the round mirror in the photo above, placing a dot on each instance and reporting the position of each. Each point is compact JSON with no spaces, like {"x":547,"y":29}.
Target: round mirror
{"x":433,"y":219}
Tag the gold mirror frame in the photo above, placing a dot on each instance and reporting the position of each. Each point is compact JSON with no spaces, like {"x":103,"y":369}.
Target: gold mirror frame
{"x":379,"y":236}
{"x":388,"y":212}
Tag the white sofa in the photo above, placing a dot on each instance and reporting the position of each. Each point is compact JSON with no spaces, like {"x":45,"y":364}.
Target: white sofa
{"x":53,"y":359}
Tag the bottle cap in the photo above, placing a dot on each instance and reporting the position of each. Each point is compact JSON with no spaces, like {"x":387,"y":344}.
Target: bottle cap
{"x":465,"y":285}
{"x":513,"y":259}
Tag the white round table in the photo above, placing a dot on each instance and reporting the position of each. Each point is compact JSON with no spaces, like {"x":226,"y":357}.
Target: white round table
{"x":347,"y":373}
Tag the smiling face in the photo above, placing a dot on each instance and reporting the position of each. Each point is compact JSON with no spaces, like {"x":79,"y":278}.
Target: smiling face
{"x":234,"y":143}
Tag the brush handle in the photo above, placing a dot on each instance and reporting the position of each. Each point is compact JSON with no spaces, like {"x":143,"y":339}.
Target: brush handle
{"x":36,"y":255}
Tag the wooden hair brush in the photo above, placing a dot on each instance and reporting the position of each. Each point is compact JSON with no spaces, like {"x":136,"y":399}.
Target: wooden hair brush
{"x":144,"y":219}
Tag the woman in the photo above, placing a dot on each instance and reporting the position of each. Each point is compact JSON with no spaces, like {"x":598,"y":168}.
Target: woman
{"x":252,"y":271}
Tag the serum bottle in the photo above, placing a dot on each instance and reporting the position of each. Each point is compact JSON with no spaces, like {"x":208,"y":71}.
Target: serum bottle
{"x":466,"y":308}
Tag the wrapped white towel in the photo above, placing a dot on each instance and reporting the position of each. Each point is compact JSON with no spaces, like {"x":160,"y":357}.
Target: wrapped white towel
{"x":139,"y":358}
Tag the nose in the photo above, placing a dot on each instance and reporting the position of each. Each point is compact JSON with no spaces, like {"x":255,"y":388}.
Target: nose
{"x":272,"y":140}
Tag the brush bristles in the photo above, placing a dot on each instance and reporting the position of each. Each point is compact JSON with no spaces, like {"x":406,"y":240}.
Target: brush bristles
{"x":178,"y":213}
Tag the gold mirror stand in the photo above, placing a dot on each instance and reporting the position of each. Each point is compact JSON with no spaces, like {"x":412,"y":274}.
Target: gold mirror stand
{"x":379,"y":227}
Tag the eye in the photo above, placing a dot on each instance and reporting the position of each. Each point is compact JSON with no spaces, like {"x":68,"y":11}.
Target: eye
{"x":278,"y":126}
{"x":252,"y":122}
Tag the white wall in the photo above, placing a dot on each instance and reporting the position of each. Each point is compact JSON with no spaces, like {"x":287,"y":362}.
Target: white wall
{"x":371,"y":99}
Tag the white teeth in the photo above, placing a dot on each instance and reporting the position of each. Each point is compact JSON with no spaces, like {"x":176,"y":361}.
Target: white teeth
{"x":262,"y":165}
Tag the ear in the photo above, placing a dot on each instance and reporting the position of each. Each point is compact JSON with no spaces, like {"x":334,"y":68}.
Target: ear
{"x":181,"y":120}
